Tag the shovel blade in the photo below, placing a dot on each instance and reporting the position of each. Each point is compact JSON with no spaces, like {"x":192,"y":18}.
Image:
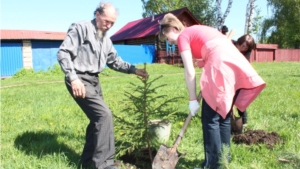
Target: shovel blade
{"x":165,"y":159}
{"x":236,"y":125}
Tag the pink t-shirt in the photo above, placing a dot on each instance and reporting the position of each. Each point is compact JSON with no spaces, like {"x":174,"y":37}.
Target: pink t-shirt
{"x":194,"y":37}
{"x":225,"y":70}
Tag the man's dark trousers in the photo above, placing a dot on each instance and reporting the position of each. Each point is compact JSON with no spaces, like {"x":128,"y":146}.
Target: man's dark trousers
{"x":99,"y":148}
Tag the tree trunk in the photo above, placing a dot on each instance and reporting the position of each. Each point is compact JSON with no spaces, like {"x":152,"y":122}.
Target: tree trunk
{"x":221,"y":19}
{"x":249,"y":15}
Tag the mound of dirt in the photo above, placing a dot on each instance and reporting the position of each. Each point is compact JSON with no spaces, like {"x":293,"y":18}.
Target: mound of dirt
{"x":257,"y":137}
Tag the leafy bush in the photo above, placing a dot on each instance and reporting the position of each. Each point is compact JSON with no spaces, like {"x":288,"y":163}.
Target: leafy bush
{"x":24,"y":72}
{"x":54,"y":70}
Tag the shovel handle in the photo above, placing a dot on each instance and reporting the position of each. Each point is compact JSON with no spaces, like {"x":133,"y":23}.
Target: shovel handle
{"x":180,"y":135}
{"x":185,"y":125}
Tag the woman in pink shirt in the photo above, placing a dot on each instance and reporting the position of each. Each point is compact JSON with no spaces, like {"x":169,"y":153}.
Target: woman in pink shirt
{"x":227,"y":79}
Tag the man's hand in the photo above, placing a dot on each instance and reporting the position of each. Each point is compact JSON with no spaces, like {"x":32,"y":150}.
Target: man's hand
{"x":78,"y":89}
{"x":141,"y":72}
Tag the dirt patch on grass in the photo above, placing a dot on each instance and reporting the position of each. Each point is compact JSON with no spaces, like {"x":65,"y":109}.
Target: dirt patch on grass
{"x":258,"y":137}
{"x":122,"y":165}
{"x":130,"y":161}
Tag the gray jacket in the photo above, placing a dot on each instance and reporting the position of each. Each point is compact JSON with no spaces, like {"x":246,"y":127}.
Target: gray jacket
{"x":82,"y":52}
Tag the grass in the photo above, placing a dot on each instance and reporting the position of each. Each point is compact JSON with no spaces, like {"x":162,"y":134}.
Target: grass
{"x":43,"y":128}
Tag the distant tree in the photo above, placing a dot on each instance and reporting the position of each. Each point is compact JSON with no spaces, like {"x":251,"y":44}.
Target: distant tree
{"x":256,"y":24}
{"x":220,"y":18}
{"x":203,"y":10}
{"x":249,"y":16}
{"x":283,"y":27}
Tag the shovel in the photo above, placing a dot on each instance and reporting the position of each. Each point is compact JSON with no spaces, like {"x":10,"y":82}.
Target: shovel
{"x":236,"y":124}
{"x":167,"y":157}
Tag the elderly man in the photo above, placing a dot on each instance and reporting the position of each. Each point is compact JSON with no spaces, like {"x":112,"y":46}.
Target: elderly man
{"x":82,"y":56}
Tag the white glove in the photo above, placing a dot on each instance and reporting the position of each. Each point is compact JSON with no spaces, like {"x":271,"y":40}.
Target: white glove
{"x":194,"y":107}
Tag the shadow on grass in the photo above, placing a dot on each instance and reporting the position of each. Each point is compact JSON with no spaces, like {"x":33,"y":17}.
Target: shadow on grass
{"x":44,"y":143}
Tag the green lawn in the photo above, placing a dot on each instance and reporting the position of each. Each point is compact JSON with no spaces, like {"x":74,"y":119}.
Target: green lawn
{"x":43,"y":128}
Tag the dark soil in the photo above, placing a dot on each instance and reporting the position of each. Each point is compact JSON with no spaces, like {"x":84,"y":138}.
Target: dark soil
{"x":248,"y":137}
{"x":129,"y":161}
{"x":257,"y":137}
{"x":122,"y":165}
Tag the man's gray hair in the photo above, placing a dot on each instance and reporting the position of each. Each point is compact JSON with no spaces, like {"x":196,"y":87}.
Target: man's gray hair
{"x":102,"y":6}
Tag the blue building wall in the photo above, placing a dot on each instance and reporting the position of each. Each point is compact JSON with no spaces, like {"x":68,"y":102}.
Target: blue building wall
{"x":136,"y":54}
{"x":11,"y":57}
{"x":44,"y":54}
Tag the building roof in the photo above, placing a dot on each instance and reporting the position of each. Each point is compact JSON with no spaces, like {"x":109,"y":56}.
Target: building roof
{"x":146,"y":26}
{"x":31,"y":35}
